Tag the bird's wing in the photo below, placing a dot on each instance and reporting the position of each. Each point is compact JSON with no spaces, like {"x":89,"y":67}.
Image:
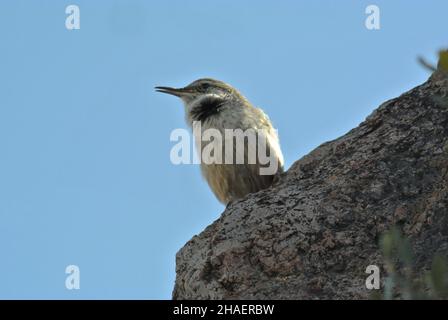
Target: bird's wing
{"x":273,"y":142}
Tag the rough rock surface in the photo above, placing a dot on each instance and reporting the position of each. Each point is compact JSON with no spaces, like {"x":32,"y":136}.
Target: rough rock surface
{"x":312,"y":235}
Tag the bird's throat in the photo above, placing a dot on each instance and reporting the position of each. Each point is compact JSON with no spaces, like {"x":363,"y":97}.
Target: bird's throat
{"x":206,"y":107}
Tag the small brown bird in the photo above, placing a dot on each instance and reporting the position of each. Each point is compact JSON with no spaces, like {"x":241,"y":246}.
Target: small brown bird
{"x":217,"y":105}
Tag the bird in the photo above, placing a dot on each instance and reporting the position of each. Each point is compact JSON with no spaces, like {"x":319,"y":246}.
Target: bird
{"x":219,"y":106}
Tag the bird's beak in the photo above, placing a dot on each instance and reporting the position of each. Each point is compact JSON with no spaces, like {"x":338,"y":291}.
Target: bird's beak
{"x":178,"y":92}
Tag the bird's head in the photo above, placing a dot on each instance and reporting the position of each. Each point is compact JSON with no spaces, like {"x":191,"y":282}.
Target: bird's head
{"x":198,"y":89}
{"x":204,"y":93}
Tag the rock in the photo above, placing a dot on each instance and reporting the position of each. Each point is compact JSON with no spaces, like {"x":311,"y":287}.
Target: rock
{"x":312,"y":234}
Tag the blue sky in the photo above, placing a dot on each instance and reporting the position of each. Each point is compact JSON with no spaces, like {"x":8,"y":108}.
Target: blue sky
{"x":85,"y":173}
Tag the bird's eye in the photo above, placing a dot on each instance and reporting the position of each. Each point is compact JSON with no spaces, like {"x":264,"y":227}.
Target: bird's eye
{"x":204,"y":86}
